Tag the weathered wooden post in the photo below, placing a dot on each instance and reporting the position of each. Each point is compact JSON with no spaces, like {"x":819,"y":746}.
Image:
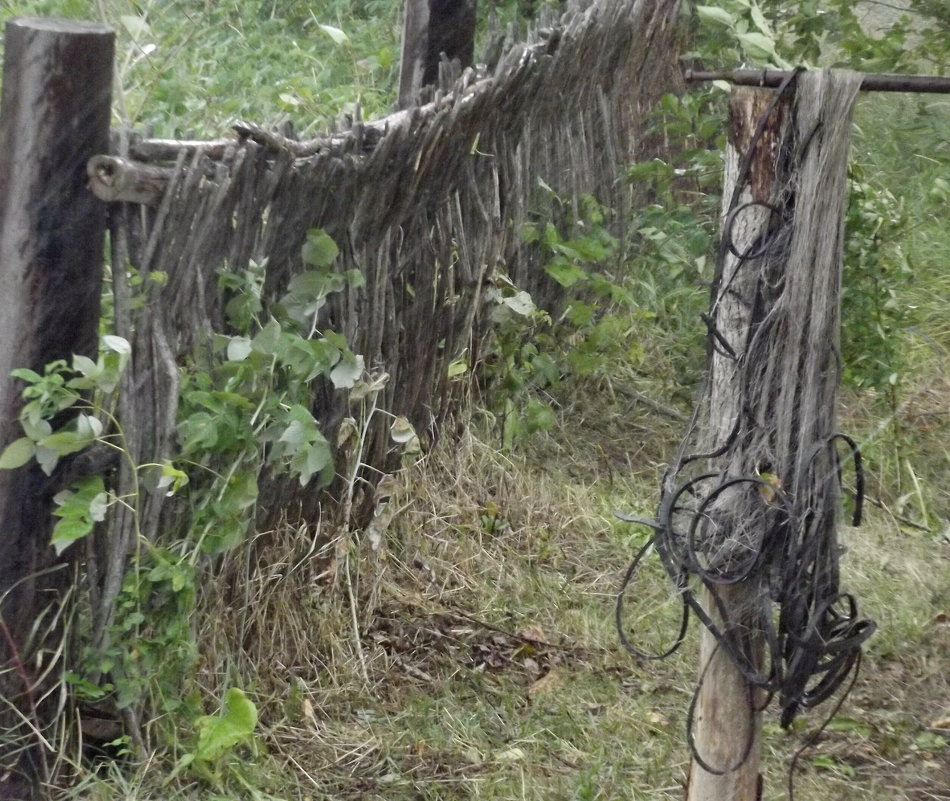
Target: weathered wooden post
{"x":727,"y":731}
{"x":432,"y":28}
{"x":747,"y":523}
{"x":54,"y":116}
{"x":762,"y":528}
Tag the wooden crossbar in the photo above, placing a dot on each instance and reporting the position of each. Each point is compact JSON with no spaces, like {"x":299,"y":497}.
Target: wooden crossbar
{"x":873,"y":82}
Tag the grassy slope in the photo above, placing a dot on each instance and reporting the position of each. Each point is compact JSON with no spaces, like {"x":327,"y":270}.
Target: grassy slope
{"x":488,"y":666}
{"x":191,"y":67}
{"x":474,"y":655}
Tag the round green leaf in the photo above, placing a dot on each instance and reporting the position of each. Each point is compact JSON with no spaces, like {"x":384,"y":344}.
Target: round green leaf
{"x":320,"y":250}
{"x":17,"y":453}
{"x":238,"y":349}
{"x":335,"y":34}
{"x":401,"y":430}
{"x":118,"y":344}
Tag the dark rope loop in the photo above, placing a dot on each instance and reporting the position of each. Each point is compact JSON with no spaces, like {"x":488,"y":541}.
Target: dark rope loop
{"x":618,"y":611}
{"x":760,"y":246}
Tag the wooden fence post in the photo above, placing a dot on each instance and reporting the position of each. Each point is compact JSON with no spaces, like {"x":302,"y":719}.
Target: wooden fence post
{"x":726,"y":728}
{"x":415,"y":28}
{"x":761,"y":528}
{"x":54,"y":116}
{"x":432,"y":28}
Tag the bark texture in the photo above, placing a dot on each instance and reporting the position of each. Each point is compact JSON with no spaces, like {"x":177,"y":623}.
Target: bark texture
{"x":54,"y":116}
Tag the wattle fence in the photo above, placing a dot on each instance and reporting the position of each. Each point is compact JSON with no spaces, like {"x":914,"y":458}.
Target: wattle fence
{"x":427,"y":204}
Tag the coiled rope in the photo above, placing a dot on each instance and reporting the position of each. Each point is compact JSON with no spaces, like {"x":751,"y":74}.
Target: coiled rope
{"x":758,"y":507}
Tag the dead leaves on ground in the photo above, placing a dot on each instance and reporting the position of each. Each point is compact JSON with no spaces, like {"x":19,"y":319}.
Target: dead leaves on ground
{"x":426,"y":645}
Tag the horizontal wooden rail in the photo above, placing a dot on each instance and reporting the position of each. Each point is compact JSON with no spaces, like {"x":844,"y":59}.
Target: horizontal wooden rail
{"x":872,"y":82}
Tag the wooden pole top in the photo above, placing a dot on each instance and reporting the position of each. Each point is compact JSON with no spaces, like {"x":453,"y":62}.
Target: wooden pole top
{"x":60,"y":25}
{"x":872,"y":82}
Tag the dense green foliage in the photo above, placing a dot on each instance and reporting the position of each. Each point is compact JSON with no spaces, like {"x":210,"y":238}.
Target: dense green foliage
{"x":244,"y":413}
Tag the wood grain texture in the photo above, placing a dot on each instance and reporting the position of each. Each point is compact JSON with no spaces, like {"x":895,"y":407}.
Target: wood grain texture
{"x":54,"y":115}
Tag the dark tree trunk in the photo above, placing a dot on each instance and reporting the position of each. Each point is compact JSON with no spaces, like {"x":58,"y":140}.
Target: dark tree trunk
{"x":452,"y":33}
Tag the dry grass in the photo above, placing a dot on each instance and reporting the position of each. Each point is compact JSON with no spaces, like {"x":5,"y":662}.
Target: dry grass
{"x":464,"y":648}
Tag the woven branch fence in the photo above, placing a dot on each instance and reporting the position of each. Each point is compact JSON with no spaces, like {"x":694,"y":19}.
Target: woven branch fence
{"x":427,"y":204}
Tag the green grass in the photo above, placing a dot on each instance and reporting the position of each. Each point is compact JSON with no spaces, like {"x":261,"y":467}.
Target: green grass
{"x":489,"y":667}
{"x":902,"y":143}
{"x":192,"y":67}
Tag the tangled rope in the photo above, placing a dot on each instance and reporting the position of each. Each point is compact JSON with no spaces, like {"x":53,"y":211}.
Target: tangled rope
{"x":751,"y":497}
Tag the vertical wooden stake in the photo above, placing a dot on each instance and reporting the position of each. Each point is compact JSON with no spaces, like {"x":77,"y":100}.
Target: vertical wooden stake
{"x":432,"y":28}
{"x":726,"y":727}
{"x":54,"y":116}
{"x":415,"y":28}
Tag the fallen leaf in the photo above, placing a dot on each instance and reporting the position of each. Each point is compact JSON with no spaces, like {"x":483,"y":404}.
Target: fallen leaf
{"x":533,"y":633}
{"x":510,"y":755}
{"x":422,"y":748}
{"x":472,"y":756}
{"x":550,"y":681}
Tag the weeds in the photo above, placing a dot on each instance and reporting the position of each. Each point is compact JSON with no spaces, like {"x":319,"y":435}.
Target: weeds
{"x":493,"y":668}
